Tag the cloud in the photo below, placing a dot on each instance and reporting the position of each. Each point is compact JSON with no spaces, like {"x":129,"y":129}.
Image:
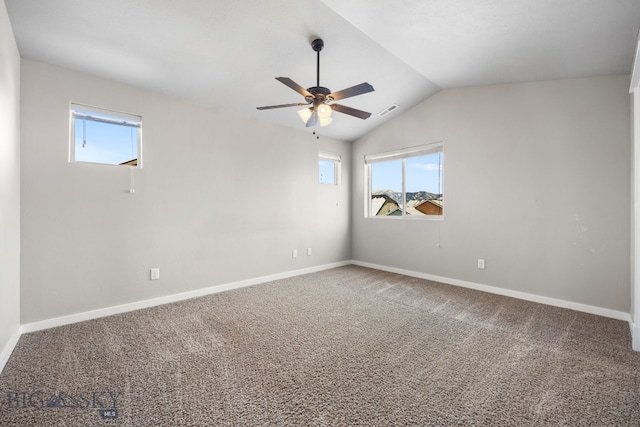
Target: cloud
{"x":426,"y":166}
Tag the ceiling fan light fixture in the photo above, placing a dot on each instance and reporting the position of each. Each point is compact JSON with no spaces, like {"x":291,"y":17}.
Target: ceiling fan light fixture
{"x":324,"y":111}
{"x":305,"y":114}
{"x":324,"y":114}
{"x":325,"y":121}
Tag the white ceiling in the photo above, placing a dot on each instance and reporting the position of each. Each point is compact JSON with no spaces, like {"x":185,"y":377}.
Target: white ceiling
{"x":226,"y":54}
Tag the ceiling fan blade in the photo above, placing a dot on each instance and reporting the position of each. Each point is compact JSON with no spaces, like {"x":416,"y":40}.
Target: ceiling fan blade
{"x":271,"y":107}
{"x":313,"y":120}
{"x":295,"y":86}
{"x":350,"y":111}
{"x":352,"y":91}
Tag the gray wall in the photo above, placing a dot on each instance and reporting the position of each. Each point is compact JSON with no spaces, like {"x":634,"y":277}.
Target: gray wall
{"x":9,"y":182}
{"x":220,"y":198}
{"x":633,"y":178}
{"x":536,"y":181}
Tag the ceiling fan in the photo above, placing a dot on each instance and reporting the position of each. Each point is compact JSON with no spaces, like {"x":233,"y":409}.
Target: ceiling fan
{"x":320,"y":99}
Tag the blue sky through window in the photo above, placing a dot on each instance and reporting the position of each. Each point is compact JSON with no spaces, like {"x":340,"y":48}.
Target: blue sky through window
{"x":102,"y":142}
{"x":327,"y":171}
{"x":423,"y":173}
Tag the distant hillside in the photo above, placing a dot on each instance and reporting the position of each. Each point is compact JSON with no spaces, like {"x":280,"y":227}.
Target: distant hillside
{"x":418,"y":195}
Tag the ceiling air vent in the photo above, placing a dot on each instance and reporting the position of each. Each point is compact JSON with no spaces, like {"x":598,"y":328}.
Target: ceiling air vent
{"x":387,"y":110}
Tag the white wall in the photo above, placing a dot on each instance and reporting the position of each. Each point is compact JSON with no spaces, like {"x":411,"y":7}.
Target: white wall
{"x":635,"y":201}
{"x":220,"y":198}
{"x":9,"y":187}
{"x":536,"y":181}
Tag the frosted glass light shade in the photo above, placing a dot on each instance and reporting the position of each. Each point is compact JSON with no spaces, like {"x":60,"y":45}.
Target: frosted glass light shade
{"x":325,"y":120}
{"x":324,"y":114}
{"x":304,"y":114}
{"x":324,"y":111}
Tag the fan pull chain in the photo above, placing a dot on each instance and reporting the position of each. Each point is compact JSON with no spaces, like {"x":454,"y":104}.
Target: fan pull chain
{"x":132,"y":188}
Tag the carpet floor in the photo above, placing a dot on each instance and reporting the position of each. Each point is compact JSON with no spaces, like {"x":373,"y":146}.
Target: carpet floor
{"x":349,"y":346}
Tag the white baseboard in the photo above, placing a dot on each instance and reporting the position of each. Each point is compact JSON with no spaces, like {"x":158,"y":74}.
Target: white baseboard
{"x":605,"y":312}
{"x":635,"y":336}
{"x":8,"y":348}
{"x":109,"y":311}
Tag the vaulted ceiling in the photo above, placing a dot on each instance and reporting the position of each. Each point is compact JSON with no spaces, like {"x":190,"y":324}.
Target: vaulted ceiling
{"x":226,"y":54}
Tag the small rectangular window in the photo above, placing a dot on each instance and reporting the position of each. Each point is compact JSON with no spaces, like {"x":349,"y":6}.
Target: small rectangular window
{"x":406,"y":183}
{"x":328,"y":169}
{"x":105,"y":136}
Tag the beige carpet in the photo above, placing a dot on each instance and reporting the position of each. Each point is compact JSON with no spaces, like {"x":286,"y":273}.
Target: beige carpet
{"x":349,"y":346}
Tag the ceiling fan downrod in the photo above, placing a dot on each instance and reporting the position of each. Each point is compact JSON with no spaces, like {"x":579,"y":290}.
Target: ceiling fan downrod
{"x":317,"y":46}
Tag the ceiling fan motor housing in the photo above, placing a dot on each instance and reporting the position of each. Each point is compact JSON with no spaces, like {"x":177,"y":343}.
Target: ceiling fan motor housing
{"x":316,"y":97}
{"x":320,"y":95}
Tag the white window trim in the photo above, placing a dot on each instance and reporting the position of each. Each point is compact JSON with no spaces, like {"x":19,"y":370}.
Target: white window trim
{"x":420,"y":150}
{"x":400,"y":154}
{"x":128,"y":119}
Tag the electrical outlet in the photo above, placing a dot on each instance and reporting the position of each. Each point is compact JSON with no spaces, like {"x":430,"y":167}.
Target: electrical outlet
{"x":294,"y":253}
{"x":480,"y":263}
{"x":155,"y":274}
{"x":308,"y":251}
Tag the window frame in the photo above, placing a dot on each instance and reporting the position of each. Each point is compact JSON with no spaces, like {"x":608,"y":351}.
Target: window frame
{"x":401,"y":154}
{"x":77,"y":110}
{"x":337,"y":170}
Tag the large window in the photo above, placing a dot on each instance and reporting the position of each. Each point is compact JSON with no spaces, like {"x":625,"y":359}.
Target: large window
{"x":328,"y":169}
{"x":104,"y":136}
{"x":406,"y":183}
